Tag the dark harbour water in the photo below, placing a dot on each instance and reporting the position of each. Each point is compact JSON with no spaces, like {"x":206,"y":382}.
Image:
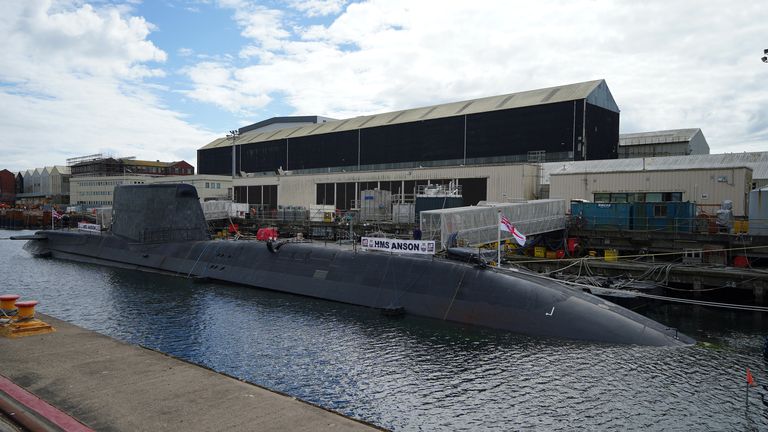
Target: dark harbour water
{"x":411,"y":373}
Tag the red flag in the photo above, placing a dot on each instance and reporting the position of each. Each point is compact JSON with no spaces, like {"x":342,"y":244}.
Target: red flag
{"x":505,"y":224}
{"x":750,"y":380}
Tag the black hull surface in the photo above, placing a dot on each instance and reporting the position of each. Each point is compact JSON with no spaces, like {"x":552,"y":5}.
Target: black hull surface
{"x":425,"y":286}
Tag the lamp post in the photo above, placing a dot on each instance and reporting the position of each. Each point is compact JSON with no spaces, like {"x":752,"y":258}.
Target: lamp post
{"x":234,"y":133}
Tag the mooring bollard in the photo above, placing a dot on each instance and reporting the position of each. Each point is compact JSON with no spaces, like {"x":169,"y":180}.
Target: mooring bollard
{"x":21,"y":321}
{"x":8,"y":304}
{"x":26,"y":309}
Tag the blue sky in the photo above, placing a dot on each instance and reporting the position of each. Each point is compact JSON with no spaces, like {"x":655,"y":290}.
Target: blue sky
{"x":160,"y":79}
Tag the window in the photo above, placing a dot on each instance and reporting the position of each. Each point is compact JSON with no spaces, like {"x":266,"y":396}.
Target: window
{"x":659,"y":211}
{"x":325,"y":194}
{"x":653,"y":197}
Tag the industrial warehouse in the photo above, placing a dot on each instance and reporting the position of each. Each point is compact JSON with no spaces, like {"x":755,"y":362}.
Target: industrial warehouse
{"x":481,"y":145}
{"x":559,"y":142}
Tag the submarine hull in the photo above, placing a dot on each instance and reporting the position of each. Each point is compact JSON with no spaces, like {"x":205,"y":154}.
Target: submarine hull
{"x":161,"y":228}
{"x":424,"y":286}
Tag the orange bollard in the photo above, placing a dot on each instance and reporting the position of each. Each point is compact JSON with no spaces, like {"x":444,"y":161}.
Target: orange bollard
{"x":8,"y":303}
{"x":26,"y":309}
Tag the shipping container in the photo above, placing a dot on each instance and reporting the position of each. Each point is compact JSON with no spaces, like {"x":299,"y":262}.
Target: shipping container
{"x":663,"y":216}
{"x":601,"y":216}
{"x":758,"y":212}
{"x":376,"y":205}
{"x":403,"y":213}
{"x":642,"y":216}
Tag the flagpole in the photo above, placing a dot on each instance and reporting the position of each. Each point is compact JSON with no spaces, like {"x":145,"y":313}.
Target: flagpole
{"x":750,"y":382}
{"x":498,"y":239}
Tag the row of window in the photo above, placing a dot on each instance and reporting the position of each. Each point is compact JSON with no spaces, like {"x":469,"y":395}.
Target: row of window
{"x":94,"y":203}
{"x":342,"y":195}
{"x":631,"y":197}
{"x":96,"y":193}
{"x":211,"y":185}
{"x":96,"y":183}
{"x":263,"y":196}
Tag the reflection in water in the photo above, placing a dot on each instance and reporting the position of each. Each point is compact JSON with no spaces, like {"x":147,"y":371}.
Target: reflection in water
{"x":411,"y":373}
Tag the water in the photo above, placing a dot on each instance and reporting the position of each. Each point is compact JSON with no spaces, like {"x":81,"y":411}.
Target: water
{"x":412,"y":373}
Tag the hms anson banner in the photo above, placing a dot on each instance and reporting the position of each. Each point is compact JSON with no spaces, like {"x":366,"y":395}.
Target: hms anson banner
{"x":425,"y":247}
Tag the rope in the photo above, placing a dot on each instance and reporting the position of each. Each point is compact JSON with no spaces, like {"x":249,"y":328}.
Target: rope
{"x":455,"y":293}
{"x":740,"y":248}
{"x":198,"y":258}
{"x":665,"y":298}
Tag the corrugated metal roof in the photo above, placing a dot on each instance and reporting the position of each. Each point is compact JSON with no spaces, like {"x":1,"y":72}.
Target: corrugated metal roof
{"x":657,"y":137}
{"x":757,"y":161}
{"x":584,"y":90}
{"x":62,"y":169}
{"x":146,"y":163}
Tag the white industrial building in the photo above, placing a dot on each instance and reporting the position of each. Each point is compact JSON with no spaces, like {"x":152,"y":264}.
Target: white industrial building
{"x":704,"y":179}
{"x":676,"y":142}
{"x":489,"y":146}
{"x":96,"y":191}
{"x":503,"y":182}
{"x":45,"y":185}
{"x":707,"y":187}
{"x":209,"y":187}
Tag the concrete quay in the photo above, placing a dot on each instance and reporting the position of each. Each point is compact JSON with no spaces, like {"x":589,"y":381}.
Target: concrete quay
{"x":108,"y":385}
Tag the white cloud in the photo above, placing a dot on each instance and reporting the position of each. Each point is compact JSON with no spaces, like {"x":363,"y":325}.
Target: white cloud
{"x":668,"y":64}
{"x":258,"y":23}
{"x":73,"y":85}
{"x":214,"y":84}
{"x":318,"y":7}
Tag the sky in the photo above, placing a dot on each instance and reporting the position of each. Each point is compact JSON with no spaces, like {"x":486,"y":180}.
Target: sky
{"x":159,"y":79}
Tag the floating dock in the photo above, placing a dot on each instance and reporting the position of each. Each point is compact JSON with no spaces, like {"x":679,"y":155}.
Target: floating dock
{"x":106,"y":384}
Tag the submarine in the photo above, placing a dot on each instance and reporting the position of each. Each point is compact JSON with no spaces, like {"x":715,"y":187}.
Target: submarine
{"x":162,"y":229}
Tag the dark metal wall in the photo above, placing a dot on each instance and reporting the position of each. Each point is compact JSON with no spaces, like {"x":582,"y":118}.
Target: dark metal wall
{"x":555,"y":131}
{"x":602,"y":128}
{"x":216,"y":161}
{"x":439,"y":139}
{"x":553,"y":128}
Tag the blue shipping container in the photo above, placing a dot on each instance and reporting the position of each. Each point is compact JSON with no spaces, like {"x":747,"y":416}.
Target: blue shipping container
{"x":605,"y":216}
{"x":663,"y":216}
{"x":659,"y":216}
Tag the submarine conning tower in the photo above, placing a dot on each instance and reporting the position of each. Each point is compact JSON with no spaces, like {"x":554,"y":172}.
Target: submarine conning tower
{"x":158,"y":213}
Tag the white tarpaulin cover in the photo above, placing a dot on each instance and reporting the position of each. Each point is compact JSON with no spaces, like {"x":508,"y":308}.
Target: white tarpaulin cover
{"x":479,"y":224}
{"x":224,"y":209}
